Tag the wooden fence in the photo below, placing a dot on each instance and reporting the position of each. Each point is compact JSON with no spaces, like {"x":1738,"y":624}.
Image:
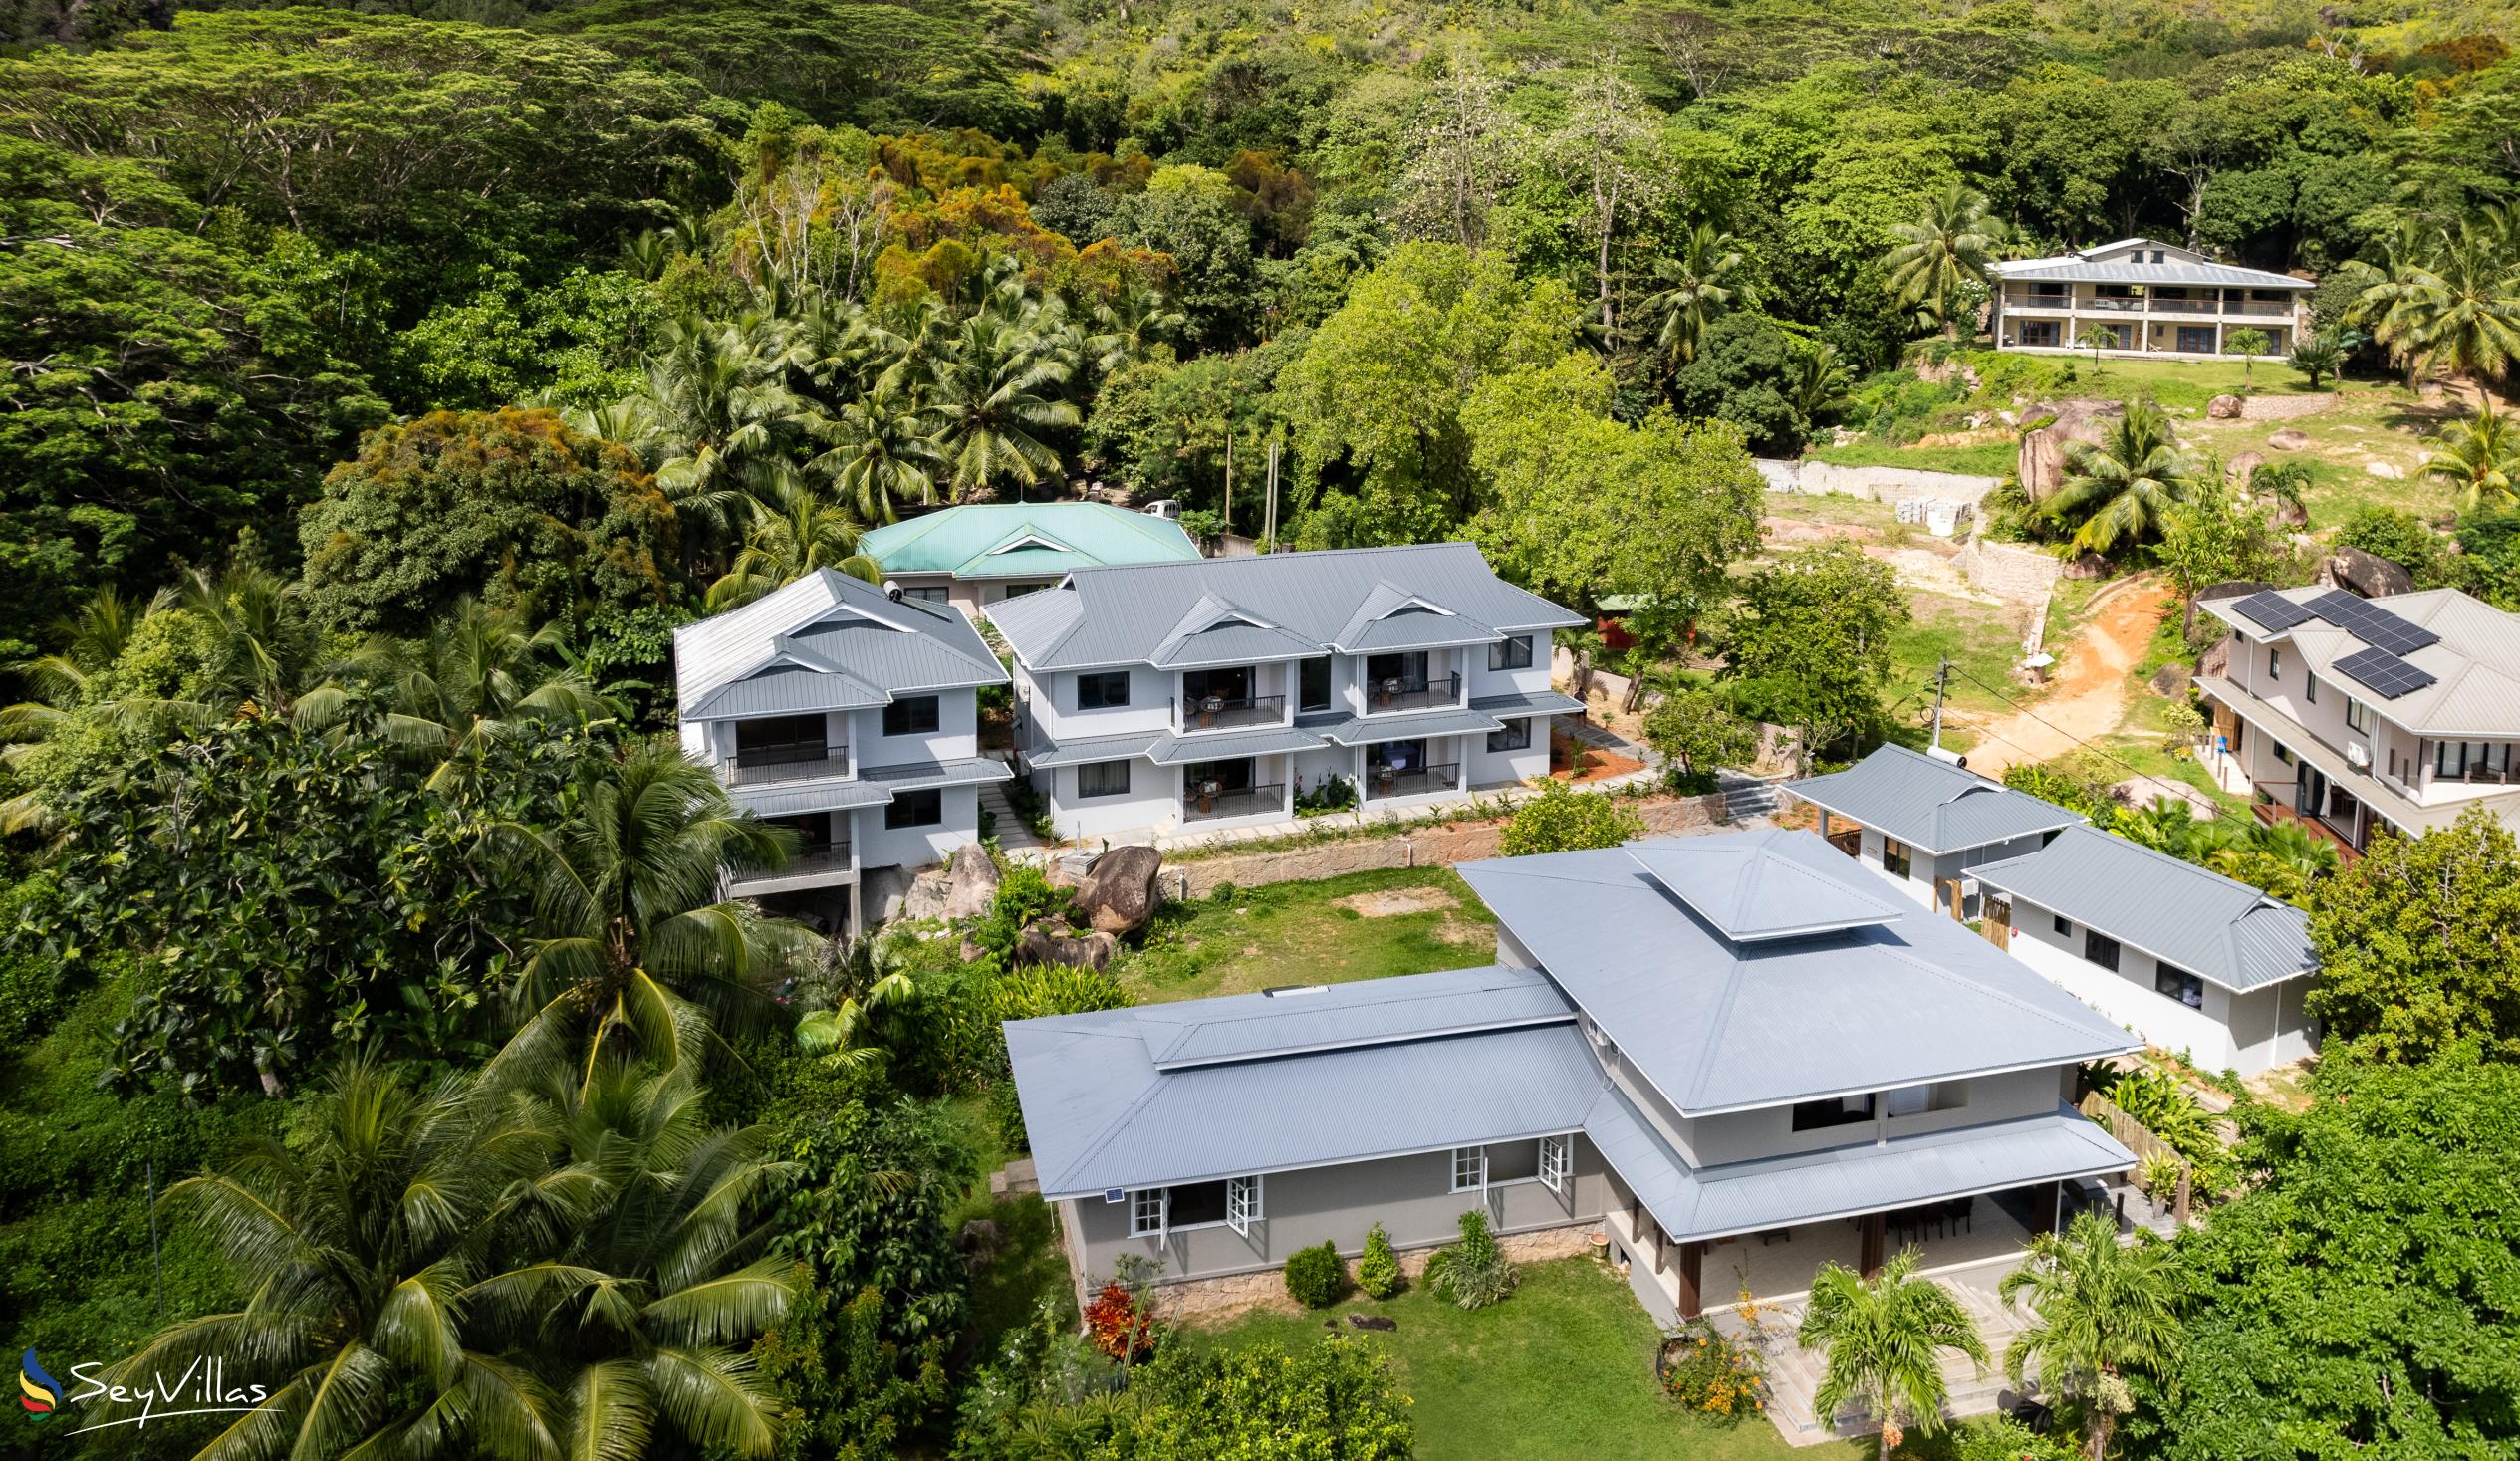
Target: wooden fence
{"x":2136,"y":1137}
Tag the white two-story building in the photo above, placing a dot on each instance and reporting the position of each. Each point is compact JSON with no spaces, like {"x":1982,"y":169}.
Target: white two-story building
{"x":2143,"y":297}
{"x":2349,"y":714}
{"x":849,"y":716}
{"x":1190,"y":695}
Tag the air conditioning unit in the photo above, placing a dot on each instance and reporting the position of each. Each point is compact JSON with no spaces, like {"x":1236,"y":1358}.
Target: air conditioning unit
{"x":1968,"y":887}
{"x":2358,"y":755}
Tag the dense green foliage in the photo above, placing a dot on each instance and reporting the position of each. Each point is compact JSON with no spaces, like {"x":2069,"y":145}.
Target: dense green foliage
{"x":1563,"y":820}
{"x":2419,"y":944}
{"x":1316,"y":1277}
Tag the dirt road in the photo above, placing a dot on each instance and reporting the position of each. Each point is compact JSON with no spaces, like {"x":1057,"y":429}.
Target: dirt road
{"x":2088,"y":696}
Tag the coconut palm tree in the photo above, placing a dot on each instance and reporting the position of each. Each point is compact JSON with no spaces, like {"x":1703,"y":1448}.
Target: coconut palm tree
{"x":1885,"y":1336}
{"x":263,"y":651}
{"x":1817,"y":380}
{"x":994,"y":394}
{"x":2318,"y":356}
{"x":1130,"y":326}
{"x":629,"y":1318}
{"x":2099,"y":1311}
{"x":2478,"y":460}
{"x":881,"y":453}
{"x":478,"y":675}
{"x":873,"y":989}
{"x":720,"y":410}
{"x":1940,"y":253}
{"x":355,"y":1249}
{"x":90,"y":638}
{"x":806,"y":534}
{"x":2450,"y":300}
{"x":637,"y":947}
{"x":1694,"y":290}
{"x":2124,"y":488}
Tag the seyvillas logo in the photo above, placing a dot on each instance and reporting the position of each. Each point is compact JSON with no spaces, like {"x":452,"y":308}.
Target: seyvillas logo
{"x":39,"y":1393}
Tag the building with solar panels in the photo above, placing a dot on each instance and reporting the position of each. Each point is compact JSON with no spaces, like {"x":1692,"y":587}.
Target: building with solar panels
{"x":2348,"y":715}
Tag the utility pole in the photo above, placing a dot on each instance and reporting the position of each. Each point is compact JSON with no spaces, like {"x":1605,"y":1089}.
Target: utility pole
{"x":1269,"y":531}
{"x":1229,"y":482}
{"x":1941,"y":676}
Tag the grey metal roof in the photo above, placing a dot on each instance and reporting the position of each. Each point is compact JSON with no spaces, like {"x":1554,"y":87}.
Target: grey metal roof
{"x":1928,"y":804}
{"x":1266,"y":740}
{"x":2225,"y":932}
{"x":2178,"y":266}
{"x":2475,"y":666}
{"x":1375,"y":730}
{"x":785,"y":687}
{"x":826,"y":623}
{"x":1717,"y":1025}
{"x":1417,"y":631}
{"x":1764,"y":884}
{"x":1341,"y":1016}
{"x":1127,"y":615}
{"x":1085,"y":750}
{"x":2394,"y":807}
{"x":1458,"y":1061}
{"x":795,"y":799}
{"x":916,"y":776}
{"x":1516,"y":708}
{"x":1775,"y":1192}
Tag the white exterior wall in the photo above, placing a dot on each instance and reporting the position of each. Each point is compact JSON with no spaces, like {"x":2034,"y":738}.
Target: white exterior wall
{"x":1531,"y":681}
{"x":1925,"y":869}
{"x":1349,"y":691}
{"x":1489,"y":768}
{"x":2324,"y":721}
{"x":1149,"y":802}
{"x":1768,"y":1132}
{"x":956,"y":737}
{"x":918,"y":846}
{"x":1050,"y":702}
{"x":2247,"y":1033}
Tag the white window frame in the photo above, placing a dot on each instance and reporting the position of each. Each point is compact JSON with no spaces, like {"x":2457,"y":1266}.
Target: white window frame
{"x":1556,"y":1162}
{"x":1242,"y":1203}
{"x":1476,"y":1163}
{"x":1154,"y":1202}
{"x":2357,"y":716}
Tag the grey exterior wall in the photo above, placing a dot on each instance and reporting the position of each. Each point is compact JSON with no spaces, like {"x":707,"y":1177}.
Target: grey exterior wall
{"x":2247,"y":1031}
{"x":1926,"y":870}
{"x":1768,"y":1132}
{"x":1410,"y":1196}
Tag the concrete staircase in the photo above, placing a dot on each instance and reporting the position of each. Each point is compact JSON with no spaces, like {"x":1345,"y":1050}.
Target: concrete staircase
{"x":1013,"y":835}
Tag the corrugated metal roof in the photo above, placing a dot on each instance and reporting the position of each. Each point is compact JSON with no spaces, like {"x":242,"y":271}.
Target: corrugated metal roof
{"x":1085,"y":750}
{"x":1904,"y":1171}
{"x":1338,"y":1016}
{"x":1717,"y":1025}
{"x":916,"y":776}
{"x":977,"y":540}
{"x":1376,"y":730}
{"x":1516,"y":708}
{"x":1100,"y":1117}
{"x":1266,"y":740}
{"x":795,"y":799}
{"x":2406,"y":814}
{"x":1928,"y":804}
{"x":2128,"y":261}
{"x":1123,"y":615}
{"x":1417,"y":631}
{"x":1764,"y":884}
{"x":2225,"y":932}
{"x":784,"y":687}
{"x":827,"y":619}
{"x":2475,"y":667}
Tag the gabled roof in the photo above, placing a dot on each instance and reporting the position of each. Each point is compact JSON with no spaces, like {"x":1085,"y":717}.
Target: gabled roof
{"x":1764,"y":884}
{"x":826,"y":641}
{"x":1928,"y":804}
{"x":2130,"y":261}
{"x":2225,"y":932}
{"x":1262,"y":1083}
{"x":1717,"y":1024}
{"x":1217,"y":631}
{"x":1860,"y":1177}
{"x":1130,"y":616}
{"x":2475,"y":665}
{"x":1025,"y":540}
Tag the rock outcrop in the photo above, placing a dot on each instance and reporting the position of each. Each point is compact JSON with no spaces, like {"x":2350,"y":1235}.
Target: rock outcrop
{"x":1044,"y":941}
{"x":1119,"y":895}
{"x":2041,"y":462}
{"x":971,"y":881}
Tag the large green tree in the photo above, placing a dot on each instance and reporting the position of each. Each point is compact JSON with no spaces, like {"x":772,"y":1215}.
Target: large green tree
{"x":507,"y":506}
{"x":2419,"y":943}
{"x":1809,"y":645}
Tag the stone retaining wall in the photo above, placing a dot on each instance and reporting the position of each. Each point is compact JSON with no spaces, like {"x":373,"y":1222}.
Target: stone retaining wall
{"x":2010,"y":570}
{"x":1876,"y":484}
{"x":1439,"y":845}
{"x":2283,"y":407}
{"x":1204,"y":1300}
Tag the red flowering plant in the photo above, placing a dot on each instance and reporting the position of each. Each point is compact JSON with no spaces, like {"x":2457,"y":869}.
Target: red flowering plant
{"x":1118,"y":1325}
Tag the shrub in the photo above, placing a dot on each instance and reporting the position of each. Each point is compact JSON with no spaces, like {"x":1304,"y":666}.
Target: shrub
{"x":1379,"y":1271}
{"x":1472,"y":1274}
{"x":1563,"y":820}
{"x":2002,"y":1438}
{"x":1316,"y":1276}
{"x":1118,"y":1325}
{"x":1713,"y":1374}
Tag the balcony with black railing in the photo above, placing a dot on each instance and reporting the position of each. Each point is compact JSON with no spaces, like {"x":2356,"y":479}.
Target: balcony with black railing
{"x":1385,"y":782}
{"x":1199,"y":804}
{"x":1411,"y":692}
{"x":1227,"y":712}
{"x":763,"y":765}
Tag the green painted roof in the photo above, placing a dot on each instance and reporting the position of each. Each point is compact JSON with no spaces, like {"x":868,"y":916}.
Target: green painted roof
{"x":1026,"y":540}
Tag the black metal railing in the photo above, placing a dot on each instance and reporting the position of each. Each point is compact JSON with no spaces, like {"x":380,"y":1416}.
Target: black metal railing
{"x":1248,"y":802}
{"x":788,"y":763}
{"x":1383,"y":781}
{"x":1219,"y":712}
{"x":1405,"y":692}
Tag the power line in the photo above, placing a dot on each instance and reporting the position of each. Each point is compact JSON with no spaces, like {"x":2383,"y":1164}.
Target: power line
{"x":2140,"y":773}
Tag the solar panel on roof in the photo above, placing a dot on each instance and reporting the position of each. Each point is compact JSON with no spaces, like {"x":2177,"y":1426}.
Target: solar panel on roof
{"x":2370,"y":623}
{"x":2387,"y":676}
{"x":2273,"y":611}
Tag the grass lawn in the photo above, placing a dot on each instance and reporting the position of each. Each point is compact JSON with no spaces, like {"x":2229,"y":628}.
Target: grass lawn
{"x":1029,"y":1266}
{"x":1562,"y":1371}
{"x":2184,"y":386}
{"x":1977,"y":459}
{"x":1363,"y":925}
{"x":1983,"y":639}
